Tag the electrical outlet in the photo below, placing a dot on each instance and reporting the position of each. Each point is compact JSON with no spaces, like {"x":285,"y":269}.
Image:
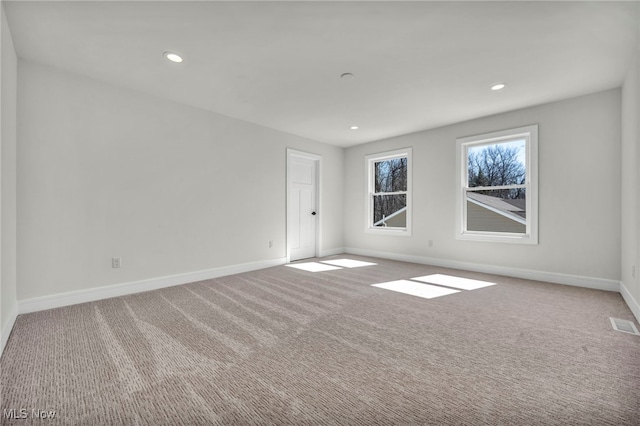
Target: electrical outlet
{"x":116,"y":262}
{"x":270,"y":244}
{"x":430,"y":243}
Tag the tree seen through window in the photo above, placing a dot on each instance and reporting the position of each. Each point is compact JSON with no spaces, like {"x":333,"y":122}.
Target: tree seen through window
{"x":390,"y":193}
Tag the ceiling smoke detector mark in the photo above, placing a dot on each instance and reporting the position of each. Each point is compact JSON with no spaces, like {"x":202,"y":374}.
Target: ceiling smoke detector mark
{"x":624,"y":326}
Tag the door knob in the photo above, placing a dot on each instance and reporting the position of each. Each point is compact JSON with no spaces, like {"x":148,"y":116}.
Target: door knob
{"x":313,"y":213}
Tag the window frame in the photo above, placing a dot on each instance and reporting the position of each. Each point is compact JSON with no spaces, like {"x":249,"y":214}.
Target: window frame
{"x":530,"y":135}
{"x":370,"y":160}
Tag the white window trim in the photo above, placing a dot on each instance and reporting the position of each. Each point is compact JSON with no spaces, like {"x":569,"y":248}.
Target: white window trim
{"x":369,"y":188}
{"x":530,"y":134}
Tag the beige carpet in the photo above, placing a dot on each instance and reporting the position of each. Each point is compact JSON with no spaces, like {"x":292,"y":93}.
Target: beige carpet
{"x":286,"y":346}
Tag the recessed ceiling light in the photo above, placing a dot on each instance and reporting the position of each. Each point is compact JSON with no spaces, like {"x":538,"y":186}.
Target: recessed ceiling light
{"x":347,"y":76}
{"x":354,"y":127}
{"x":173,"y":57}
{"x":498,"y":86}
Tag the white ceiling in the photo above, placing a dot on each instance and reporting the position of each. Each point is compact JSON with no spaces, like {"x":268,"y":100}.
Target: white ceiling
{"x":417,"y":65}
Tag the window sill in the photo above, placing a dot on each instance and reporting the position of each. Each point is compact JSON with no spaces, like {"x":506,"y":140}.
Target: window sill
{"x":497,"y":238}
{"x":397,"y":232}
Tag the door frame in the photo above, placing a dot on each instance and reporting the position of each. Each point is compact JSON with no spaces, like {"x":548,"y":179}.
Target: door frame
{"x":291,"y":153}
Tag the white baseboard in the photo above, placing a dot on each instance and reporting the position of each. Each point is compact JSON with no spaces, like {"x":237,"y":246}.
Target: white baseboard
{"x":6,"y":330}
{"x":106,"y":292}
{"x":99,"y":293}
{"x":552,"y":277}
{"x":331,"y":252}
{"x":631,"y":302}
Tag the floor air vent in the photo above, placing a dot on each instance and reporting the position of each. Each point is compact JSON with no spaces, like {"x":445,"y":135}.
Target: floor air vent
{"x":624,"y":326}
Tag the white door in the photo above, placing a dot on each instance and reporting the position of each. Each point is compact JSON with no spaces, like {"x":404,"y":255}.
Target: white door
{"x":302,"y":202}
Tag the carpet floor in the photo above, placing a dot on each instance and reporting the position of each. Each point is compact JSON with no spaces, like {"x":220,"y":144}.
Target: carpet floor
{"x":288,"y":346}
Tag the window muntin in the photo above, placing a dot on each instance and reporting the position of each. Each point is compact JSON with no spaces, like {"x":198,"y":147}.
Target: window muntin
{"x":497,"y":200}
{"x":389,"y":192}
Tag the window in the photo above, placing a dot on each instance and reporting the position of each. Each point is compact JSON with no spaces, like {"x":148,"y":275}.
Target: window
{"x":388,"y":193}
{"x":497,"y":189}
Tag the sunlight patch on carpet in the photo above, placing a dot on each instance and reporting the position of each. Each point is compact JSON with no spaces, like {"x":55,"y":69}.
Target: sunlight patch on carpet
{"x":455,"y":282}
{"x":313,"y":267}
{"x":416,"y":289}
{"x":348,"y":263}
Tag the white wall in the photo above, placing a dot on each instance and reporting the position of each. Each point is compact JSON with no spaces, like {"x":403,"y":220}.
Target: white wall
{"x":106,"y":172}
{"x":579,"y":192}
{"x":631,"y":185}
{"x":8,"y":69}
